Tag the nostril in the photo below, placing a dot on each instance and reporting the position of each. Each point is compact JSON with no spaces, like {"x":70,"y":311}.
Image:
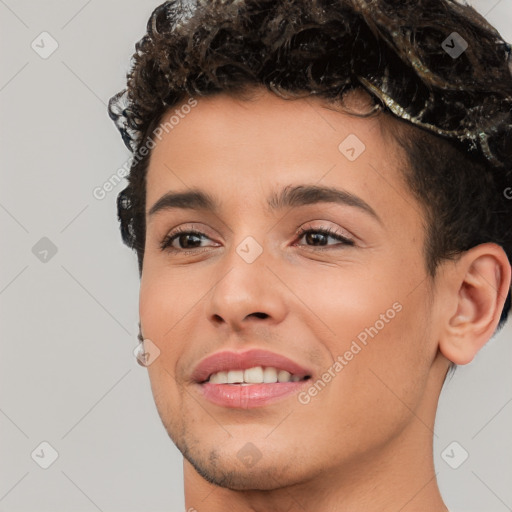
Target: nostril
{"x":260,"y":315}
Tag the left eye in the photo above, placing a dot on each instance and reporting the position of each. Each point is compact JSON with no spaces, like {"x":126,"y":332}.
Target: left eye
{"x":320,"y":235}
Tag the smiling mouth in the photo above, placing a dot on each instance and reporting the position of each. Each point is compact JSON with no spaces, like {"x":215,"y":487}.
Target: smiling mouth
{"x":254,"y":375}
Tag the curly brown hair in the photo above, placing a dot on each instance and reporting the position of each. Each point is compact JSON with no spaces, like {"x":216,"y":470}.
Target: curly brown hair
{"x":453,"y":113}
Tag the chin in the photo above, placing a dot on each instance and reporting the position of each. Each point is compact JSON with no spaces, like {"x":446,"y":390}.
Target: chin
{"x":215,"y":469}
{"x":234,"y":469}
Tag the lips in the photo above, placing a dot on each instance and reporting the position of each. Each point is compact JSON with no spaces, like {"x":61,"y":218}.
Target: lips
{"x":231,"y":396}
{"x":226,"y":360}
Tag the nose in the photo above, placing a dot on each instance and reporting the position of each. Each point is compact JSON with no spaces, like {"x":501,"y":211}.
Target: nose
{"x":247,"y":293}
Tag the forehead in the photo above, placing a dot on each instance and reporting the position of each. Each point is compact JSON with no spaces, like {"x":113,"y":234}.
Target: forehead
{"x":237,"y":147}
{"x":261,"y":118}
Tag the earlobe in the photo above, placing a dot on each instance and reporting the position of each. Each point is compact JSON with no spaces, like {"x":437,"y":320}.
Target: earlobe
{"x":478,"y":290}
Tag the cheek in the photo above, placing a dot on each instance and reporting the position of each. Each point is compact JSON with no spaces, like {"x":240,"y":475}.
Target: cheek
{"x":163,"y":297}
{"x":348,"y":298}
{"x":377,"y":322}
{"x":153,"y":298}
{"x":381,"y":380}
{"x":160,"y":311}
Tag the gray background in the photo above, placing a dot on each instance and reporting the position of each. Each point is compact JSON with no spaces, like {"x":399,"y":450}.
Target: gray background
{"x":69,"y":323}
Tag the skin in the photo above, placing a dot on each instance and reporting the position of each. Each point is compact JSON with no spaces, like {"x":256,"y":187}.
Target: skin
{"x":365,"y":441}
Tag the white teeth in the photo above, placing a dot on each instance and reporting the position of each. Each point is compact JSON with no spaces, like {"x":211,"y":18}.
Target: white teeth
{"x":255,"y":375}
{"x":269,"y":375}
{"x":219,"y":378}
{"x":235,"y":376}
{"x":284,"y":376}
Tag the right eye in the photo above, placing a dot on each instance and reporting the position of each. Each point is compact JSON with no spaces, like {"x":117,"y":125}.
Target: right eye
{"x":183,"y":237}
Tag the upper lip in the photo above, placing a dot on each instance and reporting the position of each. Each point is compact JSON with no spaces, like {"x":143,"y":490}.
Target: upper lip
{"x":228,"y":360}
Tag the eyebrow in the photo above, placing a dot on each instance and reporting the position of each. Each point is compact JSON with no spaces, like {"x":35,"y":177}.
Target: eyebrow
{"x":288,"y":197}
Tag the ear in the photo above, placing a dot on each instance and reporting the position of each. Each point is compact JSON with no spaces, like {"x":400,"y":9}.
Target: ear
{"x":474,"y":294}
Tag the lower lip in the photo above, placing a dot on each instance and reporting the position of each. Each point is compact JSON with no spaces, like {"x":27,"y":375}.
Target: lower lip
{"x":236,"y":396}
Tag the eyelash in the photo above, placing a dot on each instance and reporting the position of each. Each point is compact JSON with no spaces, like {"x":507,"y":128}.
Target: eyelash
{"x":165,"y":245}
{"x":325,"y":231}
{"x":167,"y":241}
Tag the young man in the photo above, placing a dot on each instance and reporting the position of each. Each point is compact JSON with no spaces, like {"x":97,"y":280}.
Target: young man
{"x":318,"y":201}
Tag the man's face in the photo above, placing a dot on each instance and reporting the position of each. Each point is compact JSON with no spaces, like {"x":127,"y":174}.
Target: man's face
{"x":249,"y":281}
